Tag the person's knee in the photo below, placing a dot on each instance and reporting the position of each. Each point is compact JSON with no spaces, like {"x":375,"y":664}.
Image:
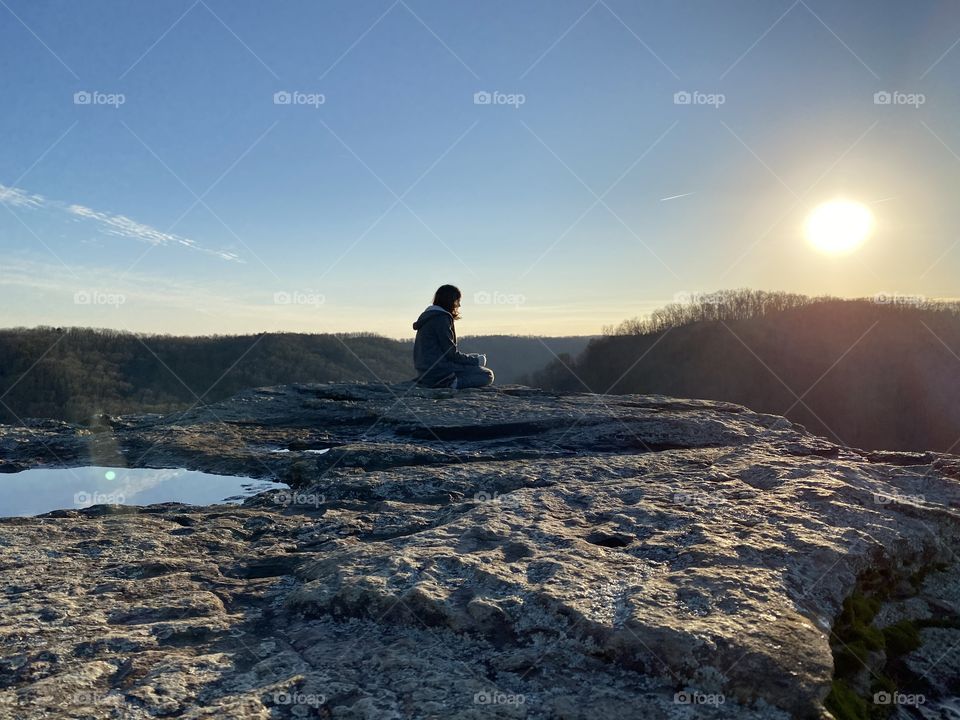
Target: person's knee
{"x":489,"y":375}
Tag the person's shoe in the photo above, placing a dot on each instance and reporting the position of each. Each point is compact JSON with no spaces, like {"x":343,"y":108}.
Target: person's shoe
{"x":445,"y":381}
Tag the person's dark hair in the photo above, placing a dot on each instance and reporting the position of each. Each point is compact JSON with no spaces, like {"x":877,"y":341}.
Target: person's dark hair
{"x":445,"y":297}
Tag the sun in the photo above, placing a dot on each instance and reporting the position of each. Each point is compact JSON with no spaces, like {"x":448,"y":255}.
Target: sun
{"x":839,"y":227}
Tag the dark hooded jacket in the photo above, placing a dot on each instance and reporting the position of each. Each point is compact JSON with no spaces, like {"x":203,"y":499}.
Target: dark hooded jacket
{"x":435,"y":354}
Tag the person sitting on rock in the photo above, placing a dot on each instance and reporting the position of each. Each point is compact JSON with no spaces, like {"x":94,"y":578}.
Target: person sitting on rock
{"x":435,"y":355}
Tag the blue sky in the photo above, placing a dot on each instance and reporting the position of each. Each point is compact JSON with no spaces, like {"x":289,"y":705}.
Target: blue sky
{"x":184,"y":198}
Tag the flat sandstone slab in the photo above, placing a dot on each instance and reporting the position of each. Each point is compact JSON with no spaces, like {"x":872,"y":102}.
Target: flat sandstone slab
{"x":490,"y":553}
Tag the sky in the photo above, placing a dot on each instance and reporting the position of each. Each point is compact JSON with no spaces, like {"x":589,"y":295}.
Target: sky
{"x":231,"y":166}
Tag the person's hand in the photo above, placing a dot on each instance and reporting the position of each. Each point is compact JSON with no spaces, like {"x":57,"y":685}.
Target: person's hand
{"x":481,"y":359}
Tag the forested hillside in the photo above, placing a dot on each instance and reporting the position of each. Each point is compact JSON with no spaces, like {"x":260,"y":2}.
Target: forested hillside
{"x":75,"y":373}
{"x":514,"y":357}
{"x":877,"y":373}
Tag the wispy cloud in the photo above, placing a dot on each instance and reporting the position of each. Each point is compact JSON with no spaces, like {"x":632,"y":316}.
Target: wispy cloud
{"x":110,"y":224}
{"x":19,"y":198}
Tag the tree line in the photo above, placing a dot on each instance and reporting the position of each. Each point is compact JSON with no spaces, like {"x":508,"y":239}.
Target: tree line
{"x":75,"y":374}
{"x":878,"y":373}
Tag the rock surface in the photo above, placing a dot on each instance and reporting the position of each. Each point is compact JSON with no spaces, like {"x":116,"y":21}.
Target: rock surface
{"x":500,"y":552}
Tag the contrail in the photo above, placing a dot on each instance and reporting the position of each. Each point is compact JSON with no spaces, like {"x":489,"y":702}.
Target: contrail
{"x":875,"y":202}
{"x":674,"y":197}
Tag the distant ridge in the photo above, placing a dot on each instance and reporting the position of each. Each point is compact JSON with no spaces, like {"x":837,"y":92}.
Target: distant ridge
{"x":76,"y":374}
{"x":880,"y":373}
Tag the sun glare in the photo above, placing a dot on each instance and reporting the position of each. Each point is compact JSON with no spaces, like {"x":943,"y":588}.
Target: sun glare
{"x":839,"y":227}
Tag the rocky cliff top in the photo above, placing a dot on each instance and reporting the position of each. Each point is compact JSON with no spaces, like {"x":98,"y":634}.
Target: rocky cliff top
{"x":500,"y":552}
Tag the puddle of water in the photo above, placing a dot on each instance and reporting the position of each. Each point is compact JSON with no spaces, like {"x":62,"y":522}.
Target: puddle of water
{"x":42,"y":490}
